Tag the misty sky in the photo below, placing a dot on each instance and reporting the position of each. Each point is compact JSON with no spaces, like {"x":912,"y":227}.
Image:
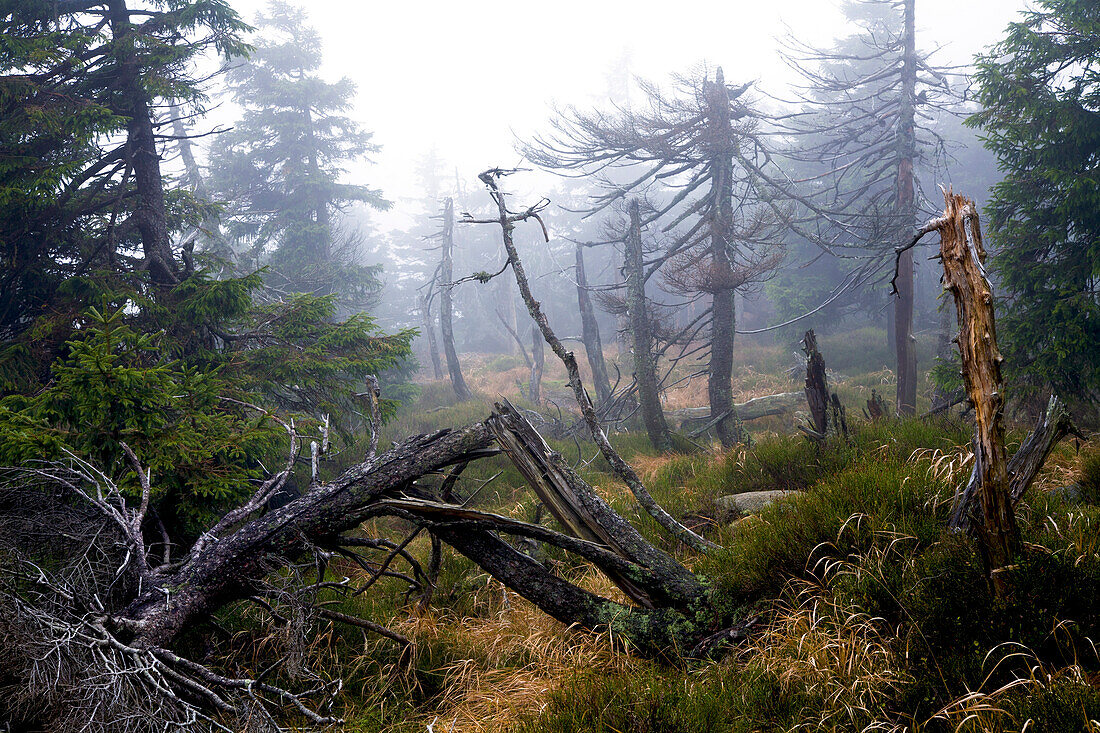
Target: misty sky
{"x":469,"y":77}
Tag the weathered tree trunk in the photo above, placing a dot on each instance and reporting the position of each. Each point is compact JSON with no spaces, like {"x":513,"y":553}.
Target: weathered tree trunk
{"x":622,"y":469}
{"x":1054,"y":424}
{"x":150,"y":215}
{"x":590,"y":333}
{"x":429,"y":335}
{"x":446,"y":307}
{"x":538,"y":363}
{"x":692,"y":418}
{"x":817,"y":387}
{"x":582,"y":512}
{"x":962,"y":254}
{"x":229,"y":568}
{"x":721,"y":276}
{"x":904,"y":342}
{"x":675,"y":609}
{"x":645,"y":367}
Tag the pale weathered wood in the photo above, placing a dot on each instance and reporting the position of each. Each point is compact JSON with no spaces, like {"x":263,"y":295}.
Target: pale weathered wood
{"x":963,"y":254}
{"x":757,"y":407}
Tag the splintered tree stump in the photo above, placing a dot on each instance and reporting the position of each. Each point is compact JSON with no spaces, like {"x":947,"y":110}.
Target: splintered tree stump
{"x":963,"y":255}
{"x":817,"y":387}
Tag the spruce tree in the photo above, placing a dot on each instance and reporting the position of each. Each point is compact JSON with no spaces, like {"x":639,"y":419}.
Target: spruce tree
{"x":1040,"y":89}
{"x":281,"y":168}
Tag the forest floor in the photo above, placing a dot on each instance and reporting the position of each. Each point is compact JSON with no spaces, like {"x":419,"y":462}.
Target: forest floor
{"x":874,"y":616}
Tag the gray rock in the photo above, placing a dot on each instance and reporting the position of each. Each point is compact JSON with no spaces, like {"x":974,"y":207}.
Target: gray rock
{"x":752,"y":501}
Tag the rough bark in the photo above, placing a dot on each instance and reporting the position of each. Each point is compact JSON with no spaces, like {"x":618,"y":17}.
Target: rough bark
{"x":590,"y":333}
{"x":581,"y":511}
{"x":645,"y":368}
{"x":904,"y":342}
{"x":229,"y":568}
{"x":817,"y":387}
{"x":963,"y":254}
{"x":429,"y":335}
{"x":150,"y":216}
{"x":720,"y":370}
{"x":676,"y":612}
{"x":446,"y":307}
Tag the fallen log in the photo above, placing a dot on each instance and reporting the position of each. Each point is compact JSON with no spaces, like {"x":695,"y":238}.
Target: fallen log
{"x":757,"y":407}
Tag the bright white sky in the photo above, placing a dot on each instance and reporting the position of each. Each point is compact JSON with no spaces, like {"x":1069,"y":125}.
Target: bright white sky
{"x":468,"y":77}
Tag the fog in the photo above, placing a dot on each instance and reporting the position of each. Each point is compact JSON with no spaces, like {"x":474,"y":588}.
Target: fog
{"x":467,"y":79}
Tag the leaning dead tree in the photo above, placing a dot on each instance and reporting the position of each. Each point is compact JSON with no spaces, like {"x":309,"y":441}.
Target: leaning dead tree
{"x":507,"y":219}
{"x":986,"y":505}
{"x":98,"y":633}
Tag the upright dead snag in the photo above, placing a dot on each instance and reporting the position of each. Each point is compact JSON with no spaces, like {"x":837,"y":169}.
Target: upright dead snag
{"x":538,"y":361}
{"x":817,"y":387}
{"x":641,"y":335}
{"x":429,"y":334}
{"x":445,"y":304}
{"x":590,"y":333}
{"x":818,"y":397}
{"x":963,"y":255}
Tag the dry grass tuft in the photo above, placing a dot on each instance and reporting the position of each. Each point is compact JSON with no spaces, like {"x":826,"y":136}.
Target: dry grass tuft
{"x":502,"y":667}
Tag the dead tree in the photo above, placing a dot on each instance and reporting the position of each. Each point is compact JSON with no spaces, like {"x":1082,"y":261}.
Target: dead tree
{"x":538,"y":363}
{"x":115,"y":643}
{"x":641,"y":335}
{"x":446,"y":308}
{"x":429,"y":334}
{"x":723,"y":223}
{"x":821,"y":401}
{"x":590,"y":333}
{"x":867,"y":105}
{"x":507,"y":219}
{"x":817,"y":386}
{"x":986,"y":505}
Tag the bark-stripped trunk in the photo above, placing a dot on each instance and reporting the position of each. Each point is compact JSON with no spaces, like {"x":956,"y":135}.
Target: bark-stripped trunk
{"x":645,"y":368}
{"x":150,"y":213}
{"x":904,"y":342}
{"x":962,"y":254}
{"x":429,"y":335}
{"x":581,"y":511}
{"x":446,"y":304}
{"x":720,"y":371}
{"x":538,"y":363}
{"x":590,"y":333}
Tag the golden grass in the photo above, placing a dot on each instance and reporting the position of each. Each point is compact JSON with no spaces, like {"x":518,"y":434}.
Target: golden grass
{"x":504,"y":666}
